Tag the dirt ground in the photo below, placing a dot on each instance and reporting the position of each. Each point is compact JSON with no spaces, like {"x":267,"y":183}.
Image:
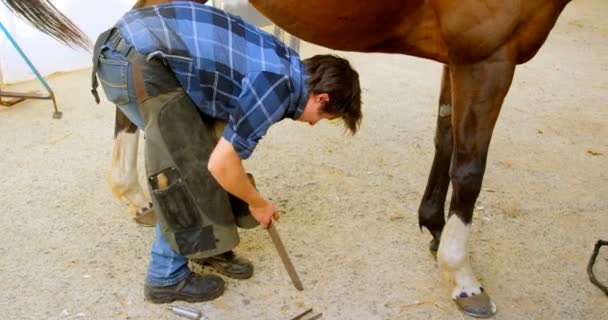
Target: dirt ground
{"x":70,"y":251}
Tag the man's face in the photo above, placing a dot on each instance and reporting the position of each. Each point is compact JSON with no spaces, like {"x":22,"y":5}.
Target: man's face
{"x":313,"y":109}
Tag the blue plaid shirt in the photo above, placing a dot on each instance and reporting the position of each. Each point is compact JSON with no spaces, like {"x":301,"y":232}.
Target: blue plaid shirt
{"x":231,"y":69}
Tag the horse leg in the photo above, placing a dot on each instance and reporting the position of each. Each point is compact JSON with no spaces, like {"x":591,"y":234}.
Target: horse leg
{"x":478,"y":91}
{"x":123,"y":176}
{"x":431,"y":210}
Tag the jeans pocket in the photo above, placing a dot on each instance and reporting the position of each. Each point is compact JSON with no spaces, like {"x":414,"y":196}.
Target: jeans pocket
{"x":113,"y":75}
{"x":175,"y":201}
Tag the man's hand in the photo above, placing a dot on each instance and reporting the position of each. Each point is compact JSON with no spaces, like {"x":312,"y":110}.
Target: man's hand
{"x":227,"y":169}
{"x":265,"y":214}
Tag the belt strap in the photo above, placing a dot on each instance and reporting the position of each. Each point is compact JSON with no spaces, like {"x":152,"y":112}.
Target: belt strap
{"x":101,"y":40}
{"x":121,"y":45}
{"x":138,"y":83}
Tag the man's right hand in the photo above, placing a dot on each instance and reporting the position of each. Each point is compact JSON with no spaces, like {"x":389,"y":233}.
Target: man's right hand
{"x":227,"y":169}
{"x":265,"y":213}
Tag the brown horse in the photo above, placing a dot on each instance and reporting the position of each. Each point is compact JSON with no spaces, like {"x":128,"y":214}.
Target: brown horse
{"x":479,"y":43}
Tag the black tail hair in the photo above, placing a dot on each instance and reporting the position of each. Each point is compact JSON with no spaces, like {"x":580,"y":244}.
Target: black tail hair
{"x":43,"y":15}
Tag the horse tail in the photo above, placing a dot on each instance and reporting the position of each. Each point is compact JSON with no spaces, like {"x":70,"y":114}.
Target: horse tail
{"x":43,"y":15}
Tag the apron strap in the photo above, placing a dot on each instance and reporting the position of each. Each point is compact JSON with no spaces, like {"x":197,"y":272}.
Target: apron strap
{"x":101,"y":40}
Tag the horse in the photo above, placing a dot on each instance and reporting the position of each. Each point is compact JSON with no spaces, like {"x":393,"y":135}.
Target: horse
{"x":479,"y":44}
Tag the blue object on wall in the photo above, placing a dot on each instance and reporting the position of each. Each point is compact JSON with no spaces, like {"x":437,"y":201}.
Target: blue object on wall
{"x":22,"y":96}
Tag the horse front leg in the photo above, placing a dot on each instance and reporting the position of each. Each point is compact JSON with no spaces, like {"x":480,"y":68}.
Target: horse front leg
{"x":478,"y":91}
{"x":123,"y":177}
{"x":431,"y":210}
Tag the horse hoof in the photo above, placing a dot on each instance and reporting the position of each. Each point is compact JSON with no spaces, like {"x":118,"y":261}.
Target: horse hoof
{"x":478,"y":306}
{"x":146,"y":218}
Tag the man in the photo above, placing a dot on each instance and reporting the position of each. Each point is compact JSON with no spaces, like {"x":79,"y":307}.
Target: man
{"x":177,"y":68}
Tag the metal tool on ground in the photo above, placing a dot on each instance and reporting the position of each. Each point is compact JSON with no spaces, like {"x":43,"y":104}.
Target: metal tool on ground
{"x":302,"y":315}
{"x":186,"y":312}
{"x":590,"y":273}
{"x":317,"y":316}
{"x":274,"y":235}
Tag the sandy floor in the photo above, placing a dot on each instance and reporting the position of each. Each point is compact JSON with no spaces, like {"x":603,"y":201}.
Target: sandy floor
{"x":70,"y":251}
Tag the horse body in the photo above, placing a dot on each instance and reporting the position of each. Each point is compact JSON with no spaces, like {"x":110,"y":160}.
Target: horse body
{"x":479,"y":43}
{"x":441,"y":30}
{"x":408,"y":27}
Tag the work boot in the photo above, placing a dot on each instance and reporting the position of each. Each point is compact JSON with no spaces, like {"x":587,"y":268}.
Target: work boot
{"x":194,"y":288}
{"x":229,"y":265}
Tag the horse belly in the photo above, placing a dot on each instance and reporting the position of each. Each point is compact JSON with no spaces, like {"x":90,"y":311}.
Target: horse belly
{"x":352,"y":25}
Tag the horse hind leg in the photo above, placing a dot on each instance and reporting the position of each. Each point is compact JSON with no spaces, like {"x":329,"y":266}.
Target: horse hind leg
{"x":478,"y":91}
{"x":123,"y":177}
{"x":431,"y":210}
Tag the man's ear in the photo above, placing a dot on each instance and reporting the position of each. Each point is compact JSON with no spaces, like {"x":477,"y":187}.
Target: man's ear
{"x":322,"y":98}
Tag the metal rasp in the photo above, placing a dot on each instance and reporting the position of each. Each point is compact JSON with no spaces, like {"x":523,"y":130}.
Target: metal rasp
{"x":274,"y":235}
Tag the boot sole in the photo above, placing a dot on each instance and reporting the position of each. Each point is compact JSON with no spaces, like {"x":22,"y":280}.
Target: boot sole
{"x":223,"y":271}
{"x":161,"y":298}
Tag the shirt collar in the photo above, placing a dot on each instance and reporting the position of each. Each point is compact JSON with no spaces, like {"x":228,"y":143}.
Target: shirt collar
{"x":300,"y":93}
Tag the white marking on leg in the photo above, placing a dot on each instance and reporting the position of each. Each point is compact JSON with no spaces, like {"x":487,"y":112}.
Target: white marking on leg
{"x":453,"y":259}
{"x":123,"y":172}
{"x":445,"y":110}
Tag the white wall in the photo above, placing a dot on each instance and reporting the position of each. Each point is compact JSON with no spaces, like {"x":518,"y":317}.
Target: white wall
{"x":93,"y":17}
{"x":48,"y":55}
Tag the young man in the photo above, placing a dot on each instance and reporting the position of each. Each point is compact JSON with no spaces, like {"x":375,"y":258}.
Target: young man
{"x":175,"y":69}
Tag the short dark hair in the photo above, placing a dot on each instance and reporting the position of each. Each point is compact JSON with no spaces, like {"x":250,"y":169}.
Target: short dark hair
{"x":333,"y":75}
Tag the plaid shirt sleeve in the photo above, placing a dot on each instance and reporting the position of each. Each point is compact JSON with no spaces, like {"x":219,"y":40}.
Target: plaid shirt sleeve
{"x":263,"y":101}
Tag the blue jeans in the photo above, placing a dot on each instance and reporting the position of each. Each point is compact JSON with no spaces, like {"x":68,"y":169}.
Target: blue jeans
{"x":166,"y":267}
{"x":116,"y":77}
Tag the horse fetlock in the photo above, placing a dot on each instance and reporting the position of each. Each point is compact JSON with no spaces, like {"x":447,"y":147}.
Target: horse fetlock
{"x":466,"y":285}
{"x":431,"y":217}
{"x":460,"y":280}
{"x":121,"y":184}
{"x":119,"y":191}
{"x":142,"y":214}
{"x":434,"y":243}
{"x":133,"y":196}
{"x":138,"y":209}
{"x":146,"y":217}
{"x":466,"y":291}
